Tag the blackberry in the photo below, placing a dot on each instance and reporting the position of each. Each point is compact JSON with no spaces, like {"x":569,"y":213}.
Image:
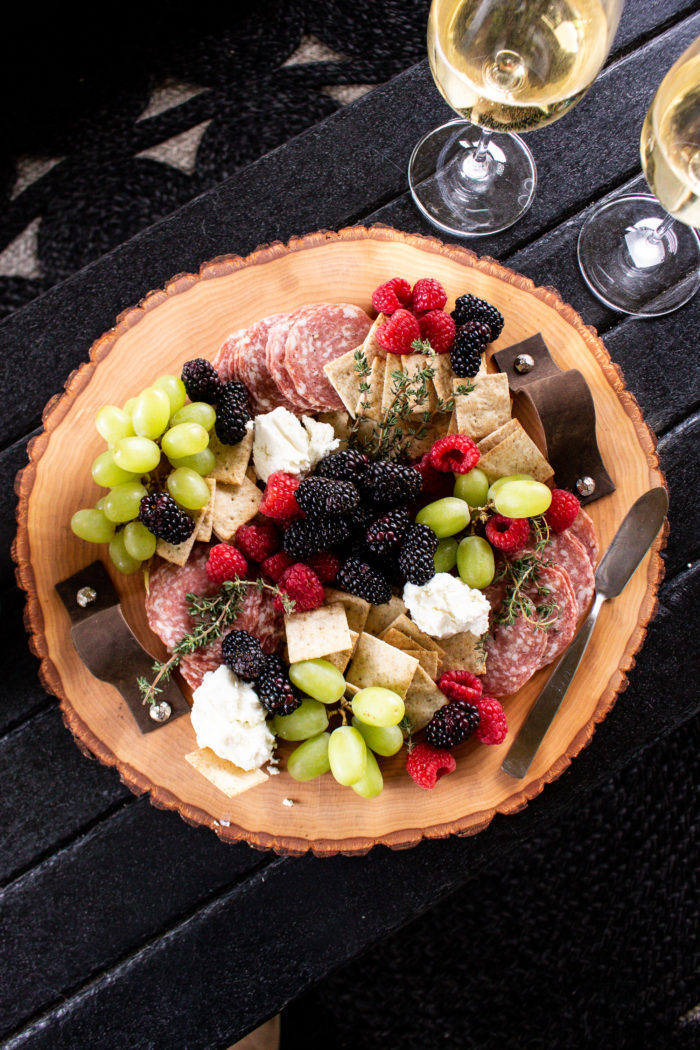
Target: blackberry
{"x":347,"y":465}
{"x":469,"y":308}
{"x":359,"y":578}
{"x":415,"y":561}
{"x":390,"y":484}
{"x":162,"y":516}
{"x":243,"y":654}
{"x":275,"y":692}
{"x":235,"y":392}
{"x":322,"y":496}
{"x":452,"y":724}
{"x":306,"y":537}
{"x":231,"y":417}
{"x":201,"y":380}
{"x":469,"y":345}
{"x":387,"y":532}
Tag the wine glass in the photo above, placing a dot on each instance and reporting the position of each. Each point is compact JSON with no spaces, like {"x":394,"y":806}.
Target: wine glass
{"x":631,"y":252}
{"x":504,"y":66}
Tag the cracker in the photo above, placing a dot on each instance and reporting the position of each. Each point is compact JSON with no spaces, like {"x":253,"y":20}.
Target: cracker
{"x":376,"y":663}
{"x":341,"y":372}
{"x":463,"y":652}
{"x":224,"y":775}
{"x":412,"y":364}
{"x":231,"y":461}
{"x":391,"y":364}
{"x":398,"y":639}
{"x":317,"y":632}
{"x":178,"y":553}
{"x":369,"y":402}
{"x":452,"y":426}
{"x":516,"y":454}
{"x":422,"y":700}
{"x":442,"y":380}
{"x":402,"y":623}
{"x":493,"y":439}
{"x":339,"y":420}
{"x":204,"y":528}
{"x":356,"y":609}
{"x":342,"y":659}
{"x":485,"y":408}
{"x":428,"y":661}
{"x":380,"y":616}
{"x":234,"y":505}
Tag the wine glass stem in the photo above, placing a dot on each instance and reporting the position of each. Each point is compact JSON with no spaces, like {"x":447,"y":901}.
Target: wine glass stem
{"x":477,"y":164}
{"x":657,"y":235}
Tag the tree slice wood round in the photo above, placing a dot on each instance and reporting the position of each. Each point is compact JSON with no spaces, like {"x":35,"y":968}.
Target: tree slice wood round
{"x":190,"y":318}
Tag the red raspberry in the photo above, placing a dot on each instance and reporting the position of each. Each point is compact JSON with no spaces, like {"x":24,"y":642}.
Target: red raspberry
{"x":460,"y":685}
{"x":302,"y":585}
{"x":493,"y":725}
{"x":391,"y":295}
{"x":398,"y":333}
{"x":436,"y":483}
{"x":563,"y":510}
{"x":455,"y":452}
{"x":426,"y":764}
{"x":507,"y":534}
{"x":427,"y":294}
{"x":225,"y":563}
{"x":439,"y":329}
{"x":325,"y":565}
{"x":278,"y":499}
{"x":276,"y":564}
{"x":258,"y":541}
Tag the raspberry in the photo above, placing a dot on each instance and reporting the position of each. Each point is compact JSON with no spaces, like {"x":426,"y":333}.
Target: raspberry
{"x":303,"y":586}
{"x":161,"y":515}
{"x":493,"y":725}
{"x":275,"y":692}
{"x":456,"y":453}
{"x":439,"y":329}
{"x":278,"y":499}
{"x":399,"y":333}
{"x":325,"y":565}
{"x":243,"y":654}
{"x":460,"y":685}
{"x":452,"y":724}
{"x":225,"y":563}
{"x":426,"y":764}
{"x":427,"y":294}
{"x":391,"y":295}
{"x":563,"y":510}
{"x":436,"y":483}
{"x":201,"y":380}
{"x":258,"y":542}
{"x":276,"y":564}
{"x":416,"y":562}
{"x":507,"y":534}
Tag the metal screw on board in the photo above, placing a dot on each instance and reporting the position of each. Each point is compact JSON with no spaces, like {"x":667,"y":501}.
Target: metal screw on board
{"x":585,"y":486}
{"x":524,"y":363}
{"x":160,"y":712}
{"x":86,"y":596}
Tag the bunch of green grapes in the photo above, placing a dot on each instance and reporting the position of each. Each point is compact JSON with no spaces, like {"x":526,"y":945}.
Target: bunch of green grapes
{"x":152,"y":434}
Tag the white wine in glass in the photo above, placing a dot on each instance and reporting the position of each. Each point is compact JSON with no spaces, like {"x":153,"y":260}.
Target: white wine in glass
{"x":632,"y":254}
{"x":504,"y":66}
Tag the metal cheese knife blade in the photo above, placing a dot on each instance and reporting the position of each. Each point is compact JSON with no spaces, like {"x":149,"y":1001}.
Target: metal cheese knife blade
{"x":631,"y":542}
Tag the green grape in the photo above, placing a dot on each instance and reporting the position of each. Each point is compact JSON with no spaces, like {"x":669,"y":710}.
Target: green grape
{"x":347,"y":754}
{"x":197,"y":412}
{"x":188,"y":488}
{"x":371,"y":782}
{"x":174,"y":388}
{"x":137,"y":454}
{"x":203,"y":462}
{"x":92,"y":525}
{"x":185,"y":439}
{"x":445,"y":557}
{"x":309,"y":719}
{"x":473,"y":488}
{"x":319,"y":678}
{"x":121,"y":557}
{"x":445,"y":516}
{"x":383,"y":740}
{"x":377,"y":706}
{"x":122,"y":503}
{"x":151,"y":413}
{"x":499,"y":482}
{"x":310,"y":759}
{"x":522,"y":499}
{"x":138,"y":541}
{"x":106,"y":472}
{"x":475,"y":562}
{"x":113,"y":424}
{"x":100,"y":503}
{"x":129,"y":407}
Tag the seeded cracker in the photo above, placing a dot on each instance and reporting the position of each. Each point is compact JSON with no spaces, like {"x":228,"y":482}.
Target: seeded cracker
{"x":230,"y":461}
{"x":392,"y":363}
{"x":317,"y":632}
{"x":516,"y":454}
{"x":428,"y":661}
{"x":442,"y":380}
{"x":406,"y":626}
{"x":376,"y":663}
{"x":422,"y":700}
{"x":204,"y":528}
{"x":178,"y":553}
{"x":341,"y":372}
{"x":411,"y":364}
{"x":463,"y":652}
{"x":369,"y":402}
{"x":489,"y":442}
{"x":234,"y":505}
{"x":485,"y":408}
{"x":380,"y":616}
{"x":356,"y":609}
{"x":342,"y":659}
{"x":223,"y":774}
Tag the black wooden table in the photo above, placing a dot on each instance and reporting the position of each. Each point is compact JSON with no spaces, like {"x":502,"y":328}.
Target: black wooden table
{"x":122,"y":926}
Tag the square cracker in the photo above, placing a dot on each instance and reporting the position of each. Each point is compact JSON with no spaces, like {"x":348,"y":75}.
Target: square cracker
{"x":485,"y":408}
{"x":231,"y":461}
{"x":428,"y":661}
{"x":412,"y":364}
{"x":234,"y":505}
{"x":516,"y":454}
{"x":376,"y":663}
{"x":341,"y":372}
{"x":398,"y":639}
{"x":356,"y":609}
{"x":406,"y":626}
{"x":206,"y":522}
{"x":380,"y":616}
{"x":495,"y":438}
{"x":178,"y":553}
{"x":369,"y":402}
{"x":392,"y":364}
{"x":443,"y":377}
{"x":342,"y":658}
{"x":463,"y":652}
{"x":224,"y":775}
{"x":317,"y":632}
{"x":422,"y":700}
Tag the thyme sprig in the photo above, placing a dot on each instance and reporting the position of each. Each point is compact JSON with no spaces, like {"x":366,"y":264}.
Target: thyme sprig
{"x":522,"y":574}
{"x":211,"y":615}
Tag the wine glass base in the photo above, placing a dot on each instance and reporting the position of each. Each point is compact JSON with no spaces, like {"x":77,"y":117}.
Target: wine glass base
{"x":628,"y":272}
{"x":461,"y":196}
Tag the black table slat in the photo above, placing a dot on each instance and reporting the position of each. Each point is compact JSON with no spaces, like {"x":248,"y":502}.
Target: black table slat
{"x":22,"y":695}
{"x":678,"y":453}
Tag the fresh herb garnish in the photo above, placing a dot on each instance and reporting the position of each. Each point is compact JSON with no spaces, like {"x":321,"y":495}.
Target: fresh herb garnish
{"x":521,"y":575}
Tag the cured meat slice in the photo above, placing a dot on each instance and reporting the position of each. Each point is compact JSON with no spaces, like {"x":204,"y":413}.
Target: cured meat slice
{"x":274,"y":357}
{"x":568,"y":553}
{"x":584,"y":530}
{"x":250,"y":366}
{"x":323,"y":333}
{"x":166,"y":601}
{"x":513,"y":654}
{"x":194,"y":666}
{"x":225,"y":357}
{"x":557,"y":585}
{"x":269,"y":625}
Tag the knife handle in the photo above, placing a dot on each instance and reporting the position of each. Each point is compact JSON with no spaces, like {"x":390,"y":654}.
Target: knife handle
{"x":539,"y":718}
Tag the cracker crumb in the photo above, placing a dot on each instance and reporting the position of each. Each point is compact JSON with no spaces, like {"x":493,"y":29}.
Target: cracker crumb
{"x":287,"y":802}
{"x":225,"y":823}
{"x":273,"y":772}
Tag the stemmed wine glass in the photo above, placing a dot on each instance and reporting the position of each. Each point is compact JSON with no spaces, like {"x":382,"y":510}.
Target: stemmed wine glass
{"x":504,"y":66}
{"x":631,"y":252}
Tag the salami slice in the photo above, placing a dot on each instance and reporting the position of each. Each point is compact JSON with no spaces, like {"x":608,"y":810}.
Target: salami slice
{"x":568,"y":553}
{"x":513,"y":654}
{"x":584,"y":530}
{"x":274,"y":357}
{"x":225,"y":357}
{"x":194,"y":666}
{"x":321,"y":335}
{"x":250,"y":366}
{"x":557,"y":587}
{"x":269,"y":625}
{"x":166,"y":601}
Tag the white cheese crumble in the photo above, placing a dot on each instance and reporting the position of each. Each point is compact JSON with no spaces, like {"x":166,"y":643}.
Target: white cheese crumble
{"x":283,"y":442}
{"x":228,"y":717}
{"x":446,"y":606}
